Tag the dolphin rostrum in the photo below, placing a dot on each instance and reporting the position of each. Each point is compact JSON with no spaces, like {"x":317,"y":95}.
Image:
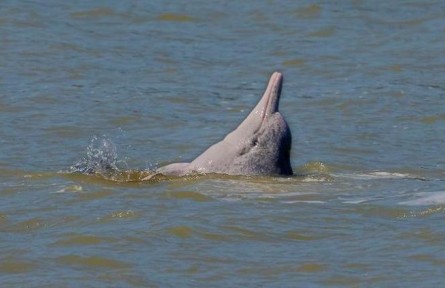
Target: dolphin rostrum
{"x":260,"y":145}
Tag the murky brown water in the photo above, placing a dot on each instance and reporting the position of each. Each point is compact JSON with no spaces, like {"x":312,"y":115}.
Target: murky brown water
{"x":145,"y":84}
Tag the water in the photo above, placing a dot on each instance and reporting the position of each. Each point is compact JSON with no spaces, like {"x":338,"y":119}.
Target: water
{"x":142,"y":84}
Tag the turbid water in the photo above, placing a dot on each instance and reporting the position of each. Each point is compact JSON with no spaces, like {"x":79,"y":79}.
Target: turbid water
{"x":137,"y":84}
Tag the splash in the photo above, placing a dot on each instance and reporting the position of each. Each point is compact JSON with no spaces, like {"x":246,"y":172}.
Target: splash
{"x":101,"y":158}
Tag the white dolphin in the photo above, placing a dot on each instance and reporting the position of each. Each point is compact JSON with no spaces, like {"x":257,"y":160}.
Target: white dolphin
{"x":260,"y":145}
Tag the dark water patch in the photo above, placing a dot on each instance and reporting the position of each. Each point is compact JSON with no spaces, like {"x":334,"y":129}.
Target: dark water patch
{"x":311,"y":267}
{"x":70,"y":132}
{"x":309,"y":12}
{"x":9,"y":265}
{"x":271,"y":272}
{"x":94,"y":195}
{"x":427,"y":235}
{"x":341,"y":280}
{"x":229,"y":233}
{"x":18,"y":223}
{"x":25,"y":226}
{"x":324,"y":32}
{"x":180,"y":231}
{"x":126,"y":120}
{"x":187,"y":195}
{"x":381,"y":211}
{"x":294,"y":62}
{"x":11,"y":108}
{"x":114,"y":178}
{"x":302,"y":236}
{"x":428,"y":258}
{"x":243,"y":233}
{"x":3,"y":219}
{"x":432,"y":119}
{"x":353,"y":150}
{"x":119,"y":215}
{"x":94,"y":13}
{"x":77,"y":239}
{"x":92,"y":262}
{"x":185,"y":232}
{"x":175,"y":17}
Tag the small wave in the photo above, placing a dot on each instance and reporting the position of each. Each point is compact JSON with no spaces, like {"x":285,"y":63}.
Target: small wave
{"x":358,"y":200}
{"x":374,"y":175}
{"x":313,"y":167}
{"x":426,"y":198}
{"x":303,"y":201}
{"x":70,"y":188}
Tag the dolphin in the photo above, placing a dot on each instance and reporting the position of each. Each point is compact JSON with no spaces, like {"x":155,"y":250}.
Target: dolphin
{"x":260,"y":145}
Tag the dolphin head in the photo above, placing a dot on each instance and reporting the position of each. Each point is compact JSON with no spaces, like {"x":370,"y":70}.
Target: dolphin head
{"x":260,"y":145}
{"x":262,"y":142}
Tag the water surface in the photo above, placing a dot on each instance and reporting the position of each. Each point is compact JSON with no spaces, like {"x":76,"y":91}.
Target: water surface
{"x":145,"y":84}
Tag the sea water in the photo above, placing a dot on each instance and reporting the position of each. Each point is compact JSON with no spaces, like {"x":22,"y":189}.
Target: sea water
{"x":131,"y":85}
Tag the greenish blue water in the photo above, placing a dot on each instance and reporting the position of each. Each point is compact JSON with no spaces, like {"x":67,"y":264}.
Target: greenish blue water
{"x":154,"y":83}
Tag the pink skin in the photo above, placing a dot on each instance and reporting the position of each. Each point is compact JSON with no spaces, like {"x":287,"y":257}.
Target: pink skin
{"x":260,"y":145}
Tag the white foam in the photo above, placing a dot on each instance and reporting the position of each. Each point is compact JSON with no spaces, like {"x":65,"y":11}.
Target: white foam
{"x":358,"y":201}
{"x":374,"y":175}
{"x":284,"y":197}
{"x":70,"y":188}
{"x":304,"y":201}
{"x":426,"y":198}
